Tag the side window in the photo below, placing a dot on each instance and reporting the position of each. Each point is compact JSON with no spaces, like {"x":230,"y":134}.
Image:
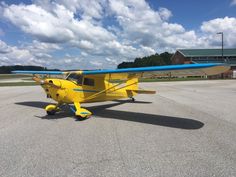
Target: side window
{"x":88,"y":81}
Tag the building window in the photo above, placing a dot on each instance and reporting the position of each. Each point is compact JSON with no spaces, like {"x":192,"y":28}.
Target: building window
{"x":89,"y":82}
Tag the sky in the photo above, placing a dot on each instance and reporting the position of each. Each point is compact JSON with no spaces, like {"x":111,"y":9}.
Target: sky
{"x":99,"y":34}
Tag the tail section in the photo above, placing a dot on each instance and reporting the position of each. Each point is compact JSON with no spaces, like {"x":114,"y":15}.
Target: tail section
{"x":131,"y":84}
{"x":142,"y":91}
{"x":132,"y":88}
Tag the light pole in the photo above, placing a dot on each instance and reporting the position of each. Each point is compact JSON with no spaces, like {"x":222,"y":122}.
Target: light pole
{"x":222,"y":45}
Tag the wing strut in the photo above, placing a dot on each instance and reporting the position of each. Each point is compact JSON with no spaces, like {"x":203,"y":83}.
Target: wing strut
{"x":99,"y":93}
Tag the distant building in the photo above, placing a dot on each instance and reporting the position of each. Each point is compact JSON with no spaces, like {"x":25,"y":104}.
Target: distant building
{"x":183,"y":56}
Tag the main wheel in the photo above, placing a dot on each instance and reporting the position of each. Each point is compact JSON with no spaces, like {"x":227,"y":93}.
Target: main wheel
{"x":52,"y":112}
{"x":133,"y":99}
{"x":79,"y":118}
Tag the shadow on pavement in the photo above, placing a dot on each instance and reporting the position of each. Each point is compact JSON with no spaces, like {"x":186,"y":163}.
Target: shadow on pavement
{"x":35,"y":104}
{"x":102,"y":111}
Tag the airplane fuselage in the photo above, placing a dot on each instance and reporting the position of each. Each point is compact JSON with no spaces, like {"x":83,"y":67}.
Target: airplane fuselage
{"x":68,"y":91}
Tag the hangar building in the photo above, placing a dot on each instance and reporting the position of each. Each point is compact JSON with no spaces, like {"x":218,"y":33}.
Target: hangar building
{"x":184,"y":56}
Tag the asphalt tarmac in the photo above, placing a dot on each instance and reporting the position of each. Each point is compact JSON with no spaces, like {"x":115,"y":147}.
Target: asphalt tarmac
{"x":186,"y":129}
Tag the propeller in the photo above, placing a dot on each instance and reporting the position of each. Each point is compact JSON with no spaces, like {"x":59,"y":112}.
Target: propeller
{"x":45,"y":82}
{"x":38,"y":80}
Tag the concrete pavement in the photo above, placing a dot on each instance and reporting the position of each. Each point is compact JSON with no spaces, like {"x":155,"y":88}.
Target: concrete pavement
{"x":187,"y":129}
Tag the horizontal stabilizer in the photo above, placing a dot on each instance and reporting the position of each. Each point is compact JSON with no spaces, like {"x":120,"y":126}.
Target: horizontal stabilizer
{"x":143,"y":91}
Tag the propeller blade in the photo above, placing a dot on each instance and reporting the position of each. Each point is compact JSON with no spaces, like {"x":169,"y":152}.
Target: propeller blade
{"x":38,"y":80}
{"x":45,"y":82}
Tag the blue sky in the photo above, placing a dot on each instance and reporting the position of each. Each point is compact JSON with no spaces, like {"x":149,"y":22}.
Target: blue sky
{"x":102,"y":33}
{"x":192,"y":13}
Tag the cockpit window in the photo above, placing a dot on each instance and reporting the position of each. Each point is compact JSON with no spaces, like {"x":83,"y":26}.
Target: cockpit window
{"x":75,"y":78}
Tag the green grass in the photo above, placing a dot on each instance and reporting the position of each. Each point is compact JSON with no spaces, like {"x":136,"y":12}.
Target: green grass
{"x":13,"y":76}
{"x":18,"y":84}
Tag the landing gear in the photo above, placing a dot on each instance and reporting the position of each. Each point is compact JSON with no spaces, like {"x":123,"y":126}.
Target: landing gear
{"x":132,"y":99}
{"x":80,"y":118}
{"x":51,"y":113}
{"x":80,"y":113}
{"x":52,"y":109}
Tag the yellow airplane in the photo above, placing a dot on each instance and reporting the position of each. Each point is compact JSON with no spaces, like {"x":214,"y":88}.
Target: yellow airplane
{"x":105,"y":85}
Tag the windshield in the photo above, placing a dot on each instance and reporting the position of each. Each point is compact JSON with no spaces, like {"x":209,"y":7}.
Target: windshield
{"x":77,"y":78}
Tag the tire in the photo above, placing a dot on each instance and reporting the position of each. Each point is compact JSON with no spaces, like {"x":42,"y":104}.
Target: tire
{"x":50,"y":113}
{"x":79,"y":118}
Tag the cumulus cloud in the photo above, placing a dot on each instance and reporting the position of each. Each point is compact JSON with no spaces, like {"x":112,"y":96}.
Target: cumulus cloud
{"x":226,"y":25}
{"x":165,"y":13}
{"x":46,"y":26}
{"x":4,"y":48}
{"x":219,"y":24}
{"x":57,"y":26}
{"x":86,"y":9}
{"x":144,"y":26}
{"x":35,"y":53}
{"x":12,"y":55}
{"x":134,"y":30}
{"x":37,"y":46}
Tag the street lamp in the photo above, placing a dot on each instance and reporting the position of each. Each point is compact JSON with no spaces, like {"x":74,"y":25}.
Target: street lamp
{"x":222,"y":45}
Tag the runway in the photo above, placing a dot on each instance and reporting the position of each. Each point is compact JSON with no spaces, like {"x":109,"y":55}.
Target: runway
{"x":186,"y":129}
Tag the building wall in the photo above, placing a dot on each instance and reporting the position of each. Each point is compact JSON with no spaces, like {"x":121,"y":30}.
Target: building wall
{"x":178,"y":58}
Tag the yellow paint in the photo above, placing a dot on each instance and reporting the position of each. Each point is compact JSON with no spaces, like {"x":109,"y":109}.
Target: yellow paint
{"x":65,"y":91}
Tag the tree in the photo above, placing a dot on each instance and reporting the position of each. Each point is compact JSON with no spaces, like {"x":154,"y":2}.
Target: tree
{"x":153,"y":60}
{"x":9,"y":69}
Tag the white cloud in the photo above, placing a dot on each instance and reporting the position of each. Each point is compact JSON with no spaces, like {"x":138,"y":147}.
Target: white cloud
{"x":225,"y":25}
{"x":57,"y":26}
{"x":84,"y":54}
{"x":233,"y":3}
{"x":84,"y":44}
{"x":144,"y":26}
{"x":37,"y":46}
{"x":140,"y":25}
{"x":165,"y":13}
{"x":96,"y":63}
{"x":46,"y":26}
{"x":35,"y":53}
{"x":86,"y":9}
{"x":135,"y":30}
{"x":219,"y":24}
{"x":12,"y":55}
{"x":4,"y":48}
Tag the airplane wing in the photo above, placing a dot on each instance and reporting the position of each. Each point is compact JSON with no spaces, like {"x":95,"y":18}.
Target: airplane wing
{"x":40,"y":72}
{"x":145,"y":72}
{"x":157,"y":71}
